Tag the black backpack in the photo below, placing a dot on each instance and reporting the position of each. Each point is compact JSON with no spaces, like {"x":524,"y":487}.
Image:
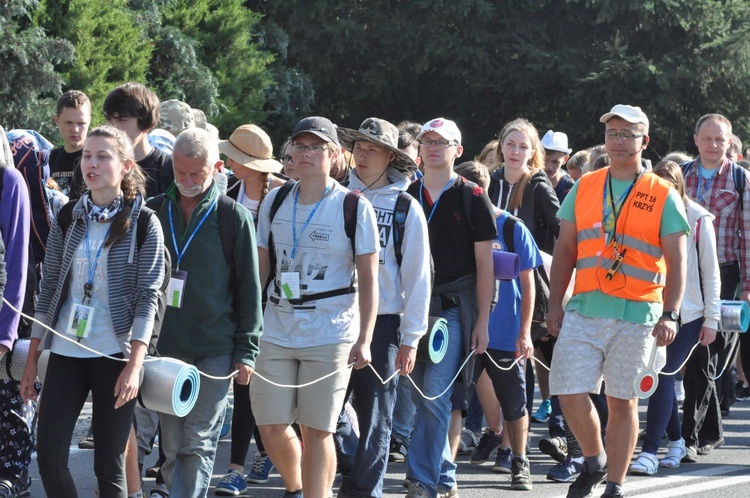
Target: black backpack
{"x":64,"y":220}
{"x":541,"y":284}
{"x":351,"y":201}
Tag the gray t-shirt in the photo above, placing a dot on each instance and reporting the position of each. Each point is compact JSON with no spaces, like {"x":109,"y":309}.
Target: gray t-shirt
{"x":324,"y":262}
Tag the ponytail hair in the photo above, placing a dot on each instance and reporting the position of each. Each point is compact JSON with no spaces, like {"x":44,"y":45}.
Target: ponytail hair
{"x":132,"y":185}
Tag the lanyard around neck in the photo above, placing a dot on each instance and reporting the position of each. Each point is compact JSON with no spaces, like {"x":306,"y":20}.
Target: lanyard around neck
{"x":179,"y":253}
{"x":702,"y":194}
{"x":89,"y":285}
{"x":613,"y":204}
{"x":309,"y":217}
{"x":440,"y":196}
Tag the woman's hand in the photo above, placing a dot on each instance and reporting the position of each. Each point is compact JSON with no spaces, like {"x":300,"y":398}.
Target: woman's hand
{"x":28,"y":392}
{"x":126,"y":387}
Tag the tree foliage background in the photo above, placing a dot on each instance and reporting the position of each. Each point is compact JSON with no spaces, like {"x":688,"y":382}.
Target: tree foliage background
{"x":559,"y":63}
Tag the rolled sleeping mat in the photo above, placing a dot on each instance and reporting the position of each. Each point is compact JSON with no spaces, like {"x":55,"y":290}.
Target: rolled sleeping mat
{"x":507,"y":265}
{"x":735,"y":316}
{"x":169,"y":386}
{"x":434,"y":344}
{"x":13,"y":363}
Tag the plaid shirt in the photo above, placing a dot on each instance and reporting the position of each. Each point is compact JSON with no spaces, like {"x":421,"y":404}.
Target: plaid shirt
{"x":722,"y":200}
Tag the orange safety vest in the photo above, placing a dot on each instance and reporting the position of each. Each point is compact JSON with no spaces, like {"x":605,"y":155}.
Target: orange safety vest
{"x":642,"y":274}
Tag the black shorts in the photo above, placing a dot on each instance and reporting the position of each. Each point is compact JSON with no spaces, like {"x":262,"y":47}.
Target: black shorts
{"x":509,"y":385}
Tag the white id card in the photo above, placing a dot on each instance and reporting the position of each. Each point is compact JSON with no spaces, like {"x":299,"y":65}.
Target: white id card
{"x":176,"y":288}
{"x":290,"y":285}
{"x":81,"y":320}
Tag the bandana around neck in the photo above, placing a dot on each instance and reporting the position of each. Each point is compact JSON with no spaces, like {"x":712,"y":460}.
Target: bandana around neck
{"x":105,"y":213}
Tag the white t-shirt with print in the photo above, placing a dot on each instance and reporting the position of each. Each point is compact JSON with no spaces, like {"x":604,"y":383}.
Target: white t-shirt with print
{"x":324,"y":262}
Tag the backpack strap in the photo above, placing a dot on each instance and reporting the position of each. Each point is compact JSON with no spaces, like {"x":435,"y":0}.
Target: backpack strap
{"x":283,"y":191}
{"x":400,"y":213}
{"x":65,"y":217}
{"x":351,"y":204}
{"x":509,"y":227}
{"x":468,"y":193}
{"x":225,"y":214}
{"x":738,"y":173}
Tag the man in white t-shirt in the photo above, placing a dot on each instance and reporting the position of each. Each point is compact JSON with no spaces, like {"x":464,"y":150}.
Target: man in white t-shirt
{"x":321,"y":310}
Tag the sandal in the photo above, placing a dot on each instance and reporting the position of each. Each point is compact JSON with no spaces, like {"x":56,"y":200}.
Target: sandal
{"x":676,"y":451}
{"x":646,"y":465}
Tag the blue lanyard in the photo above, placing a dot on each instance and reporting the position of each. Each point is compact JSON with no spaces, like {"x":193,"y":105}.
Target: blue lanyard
{"x":92,"y":264}
{"x":702,"y":195}
{"x":179,"y":253}
{"x":434,"y":206}
{"x":609,"y":209}
{"x":309,"y":217}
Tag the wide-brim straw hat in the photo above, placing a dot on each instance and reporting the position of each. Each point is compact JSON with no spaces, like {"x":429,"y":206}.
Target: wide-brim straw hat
{"x":251,"y":147}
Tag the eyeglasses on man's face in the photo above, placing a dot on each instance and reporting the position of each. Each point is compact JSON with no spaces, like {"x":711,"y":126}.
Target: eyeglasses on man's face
{"x":625,"y":135}
{"x":437,"y":143}
{"x":312,"y":149}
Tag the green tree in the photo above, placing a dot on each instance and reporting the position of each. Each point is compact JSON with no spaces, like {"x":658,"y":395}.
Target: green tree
{"x":29,"y":81}
{"x":224,"y":34}
{"x":559,"y":63}
{"x":110,"y":48}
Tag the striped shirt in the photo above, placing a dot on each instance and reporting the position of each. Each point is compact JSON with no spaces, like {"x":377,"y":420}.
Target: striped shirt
{"x":720,"y":198}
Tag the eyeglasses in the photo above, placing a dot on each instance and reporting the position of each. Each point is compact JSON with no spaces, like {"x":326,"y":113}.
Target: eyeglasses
{"x":437,"y":143}
{"x":312,"y":149}
{"x":287,"y":159}
{"x":625,"y":135}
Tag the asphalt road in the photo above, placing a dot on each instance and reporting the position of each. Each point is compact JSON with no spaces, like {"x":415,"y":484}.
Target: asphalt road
{"x":724,"y":473}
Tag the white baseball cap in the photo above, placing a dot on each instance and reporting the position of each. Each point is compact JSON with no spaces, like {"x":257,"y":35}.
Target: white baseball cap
{"x":443,"y":127}
{"x":627,"y":112}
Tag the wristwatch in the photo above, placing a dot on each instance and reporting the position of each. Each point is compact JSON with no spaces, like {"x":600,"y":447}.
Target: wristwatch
{"x":671,"y":315}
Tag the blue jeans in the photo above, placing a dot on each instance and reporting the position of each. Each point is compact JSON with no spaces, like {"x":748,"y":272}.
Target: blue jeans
{"x":430,"y":461}
{"x":663,"y":413}
{"x":373,"y":403}
{"x":403,"y":413}
{"x":190,"y":442}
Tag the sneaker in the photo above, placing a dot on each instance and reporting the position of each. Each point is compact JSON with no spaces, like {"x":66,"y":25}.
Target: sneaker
{"x":520,"y":474}
{"x":691,"y":455}
{"x":468,"y":442}
{"x":612,"y":495}
{"x":503,"y":461}
{"x":417,"y":490}
{"x":484,"y":448}
{"x":397,"y":452}
{"x":152,"y":471}
{"x":406,"y":482}
{"x":86,"y":443}
{"x":232,"y":484}
{"x":566,"y":471}
{"x":741,"y":391}
{"x":543,"y":412}
{"x":709,"y":447}
{"x":292,"y":494}
{"x":586,"y":482}
{"x":160,"y":491}
{"x":556,"y":447}
{"x":262,"y":466}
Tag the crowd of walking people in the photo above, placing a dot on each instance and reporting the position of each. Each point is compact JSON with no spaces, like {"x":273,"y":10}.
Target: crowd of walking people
{"x":311,"y":286}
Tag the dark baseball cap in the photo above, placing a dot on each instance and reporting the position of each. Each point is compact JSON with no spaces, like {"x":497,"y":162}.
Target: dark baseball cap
{"x":318,"y":126}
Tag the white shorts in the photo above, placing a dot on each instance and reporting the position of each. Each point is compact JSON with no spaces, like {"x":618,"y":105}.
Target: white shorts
{"x":589,"y":350}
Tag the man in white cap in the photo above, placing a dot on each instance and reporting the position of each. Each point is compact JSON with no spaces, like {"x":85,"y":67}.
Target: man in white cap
{"x":556,"y":154}
{"x":461,"y":225}
{"x":623,"y":230}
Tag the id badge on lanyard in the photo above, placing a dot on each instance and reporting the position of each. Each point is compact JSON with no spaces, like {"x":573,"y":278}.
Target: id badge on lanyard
{"x":81,"y":320}
{"x":176,"y":289}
